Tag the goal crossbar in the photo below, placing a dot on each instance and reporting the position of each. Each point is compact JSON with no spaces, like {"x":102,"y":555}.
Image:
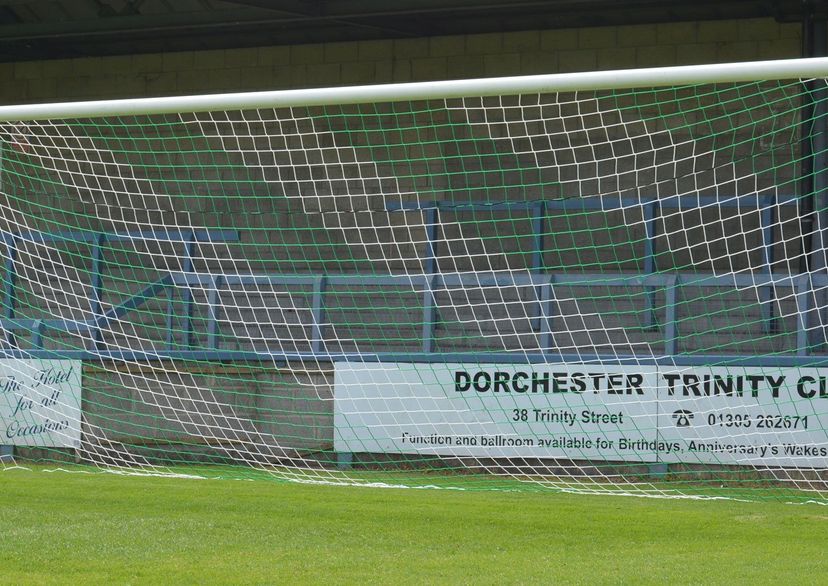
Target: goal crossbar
{"x":448,"y":89}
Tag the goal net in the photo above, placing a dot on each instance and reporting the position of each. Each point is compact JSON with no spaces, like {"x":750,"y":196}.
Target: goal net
{"x":604,"y":282}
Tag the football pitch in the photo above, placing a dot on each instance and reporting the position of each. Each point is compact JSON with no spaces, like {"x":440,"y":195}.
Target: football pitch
{"x":70,"y":527}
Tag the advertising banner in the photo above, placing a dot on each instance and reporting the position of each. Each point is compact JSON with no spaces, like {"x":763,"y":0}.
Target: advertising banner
{"x":40,"y":403}
{"x":711,"y":415}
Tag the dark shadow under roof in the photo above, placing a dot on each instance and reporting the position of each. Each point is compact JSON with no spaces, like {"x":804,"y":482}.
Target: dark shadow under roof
{"x":38,"y":29}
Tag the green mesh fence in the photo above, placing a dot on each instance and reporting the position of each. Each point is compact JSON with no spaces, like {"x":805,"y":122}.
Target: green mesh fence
{"x":612,"y":291}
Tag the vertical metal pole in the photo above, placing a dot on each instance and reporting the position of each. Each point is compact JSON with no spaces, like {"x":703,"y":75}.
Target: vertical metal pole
{"x":651,"y":226}
{"x":11,"y":277}
{"x":213,"y":310}
{"x":547,"y":301}
{"x":538,"y":233}
{"x":170,"y":324}
{"x":96,"y":292}
{"x":318,"y":327}
{"x":10,"y":293}
{"x":537,"y":266}
{"x":344,"y":460}
{"x":767,"y":294}
{"x":7,"y":452}
{"x":187,"y":293}
{"x":37,"y":335}
{"x":815,"y":169}
{"x":431,"y":268}
{"x":805,"y":203}
{"x":429,"y":312}
{"x":820,"y":171}
{"x":802,"y":287}
{"x":671,"y":317}
{"x":431,"y":225}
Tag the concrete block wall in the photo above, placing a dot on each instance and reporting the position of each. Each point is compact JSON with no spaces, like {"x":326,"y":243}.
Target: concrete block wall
{"x":220,"y":411}
{"x":401,"y":60}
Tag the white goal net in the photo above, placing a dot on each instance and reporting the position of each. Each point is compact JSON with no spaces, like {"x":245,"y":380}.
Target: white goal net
{"x":604,"y":282}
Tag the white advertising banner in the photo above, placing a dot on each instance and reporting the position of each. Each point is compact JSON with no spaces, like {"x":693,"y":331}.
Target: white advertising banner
{"x":613,"y":413}
{"x":494,"y":411}
{"x":40,"y":403}
{"x":771,"y":417}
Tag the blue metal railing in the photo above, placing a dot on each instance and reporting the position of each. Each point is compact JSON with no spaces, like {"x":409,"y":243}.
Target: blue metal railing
{"x":429,"y":283}
{"x":651,"y":207}
{"x":100,"y":320}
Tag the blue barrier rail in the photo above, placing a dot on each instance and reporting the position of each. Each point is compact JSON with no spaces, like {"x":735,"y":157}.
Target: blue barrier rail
{"x":546,"y":284}
{"x":651,"y":209}
{"x":429,"y":283}
{"x":100,"y":319}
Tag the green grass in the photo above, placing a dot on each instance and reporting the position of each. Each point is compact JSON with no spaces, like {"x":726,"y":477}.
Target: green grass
{"x":63,"y":527}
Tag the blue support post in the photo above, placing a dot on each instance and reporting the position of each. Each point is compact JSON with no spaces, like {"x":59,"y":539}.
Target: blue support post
{"x":814,"y":168}
{"x":819,"y":336}
{"x":213,"y":305}
{"x":539,"y":235}
{"x":318,"y":315}
{"x":804,"y":292}
{"x":10,"y":293}
{"x":431,"y":225}
{"x":671,"y":317}
{"x":96,"y":292}
{"x":430,"y":268}
{"x":767,"y":294}
{"x":547,"y":314}
{"x":170,"y":322}
{"x":344,"y":460}
{"x":187,"y":293}
{"x":537,"y":265}
{"x":651,"y":226}
{"x":429,"y":313}
{"x":37,"y":335}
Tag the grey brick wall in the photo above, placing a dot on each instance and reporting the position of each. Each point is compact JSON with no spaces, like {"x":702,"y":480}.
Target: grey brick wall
{"x":420,"y":59}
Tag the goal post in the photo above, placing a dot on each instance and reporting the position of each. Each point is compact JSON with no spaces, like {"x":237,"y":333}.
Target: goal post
{"x":607,"y":282}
